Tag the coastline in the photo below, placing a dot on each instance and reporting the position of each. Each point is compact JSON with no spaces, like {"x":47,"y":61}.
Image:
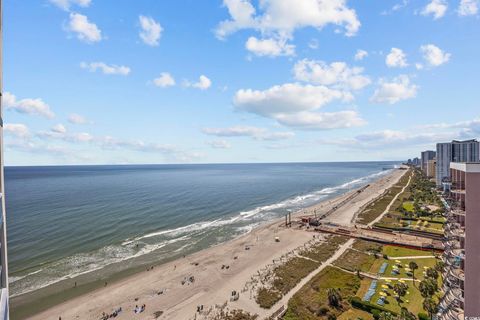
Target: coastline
{"x":70,"y":302}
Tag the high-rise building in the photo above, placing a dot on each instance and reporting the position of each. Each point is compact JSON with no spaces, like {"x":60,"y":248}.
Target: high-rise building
{"x":3,"y":229}
{"x":416,"y":162}
{"x":431,"y":168}
{"x":425,"y":157}
{"x":462,"y":253}
{"x":455,"y":151}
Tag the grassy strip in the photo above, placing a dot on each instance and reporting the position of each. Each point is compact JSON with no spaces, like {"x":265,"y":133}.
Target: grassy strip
{"x":311,"y":301}
{"x":367,"y":246}
{"x":353,"y":260}
{"x":289,"y":274}
{"x":380,"y":204}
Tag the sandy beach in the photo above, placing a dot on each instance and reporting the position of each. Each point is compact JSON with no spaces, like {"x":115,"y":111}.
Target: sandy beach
{"x":169,"y":287}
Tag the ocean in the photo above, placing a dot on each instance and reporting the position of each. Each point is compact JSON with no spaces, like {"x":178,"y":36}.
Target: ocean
{"x":70,"y":221}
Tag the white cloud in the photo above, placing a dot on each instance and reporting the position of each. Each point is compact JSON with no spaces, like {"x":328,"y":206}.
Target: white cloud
{"x":66,"y":4}
{"x":105,"y":68}
{"x":165,"y":80}
{"x":436,"y":8}
{"x":28,"y":106}
{"x":280,"y":18}
{"x":203,"y":83}
{"x":360,"y":55}
{"x":396,"y":7}
{"x":237,"y":131}
{"x":416,"y":136}
{"x":151,"y":31}
{"x":248,"y":131}
{"x":77,"y":119}
{"x":86,"y":31}
{"x":18,"y":130}
{"x":337,"y":74}
{"x":396,"y":58}
{"x":269,"y":47}
{"x":295,"y":105}
{"x":468,"y":7}
{"x":307,"y":120}
{"x":59,"y":128}
{"x":434,"y":55}
{"x":219,"y":144}
{"x":394,"y":91}
{"x":286,"y":98}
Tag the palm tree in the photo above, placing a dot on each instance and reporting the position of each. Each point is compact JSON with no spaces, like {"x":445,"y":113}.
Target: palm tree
{"x":400,"y":289}
{"x":430,"y":306}
{"x":334,"y":297}
{"x":414,"y":266}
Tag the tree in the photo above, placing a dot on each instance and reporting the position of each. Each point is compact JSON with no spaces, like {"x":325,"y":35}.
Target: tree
{"x":430,"y":306}
{"x":428,"y":287}
{"x":405,"y":315}
{"x":432,"y":273}
{"x":400,"y":289}
{"x":439,"y":266}
{"x":414,"y":266}
{"x":334,"y":297}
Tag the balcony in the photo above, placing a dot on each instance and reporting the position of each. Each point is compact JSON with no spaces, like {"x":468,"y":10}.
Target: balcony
{"x":3,"y":303}
{"x":457,"y":274}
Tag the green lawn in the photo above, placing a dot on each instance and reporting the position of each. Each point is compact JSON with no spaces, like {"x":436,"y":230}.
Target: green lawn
{"x":422,"y":263}
{"x":412,"y":301}
{"x":394,"y":251}
{"x":408,"y":205}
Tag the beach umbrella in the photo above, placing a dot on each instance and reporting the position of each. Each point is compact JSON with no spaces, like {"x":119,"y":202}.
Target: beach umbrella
{"x":425,"y":267}
{"x":408,"y":269}
{"x":398,"y":261}
{"x":383,"y":294}
{"x":384,"y":286}
{"x":388,"y":280}
{"x":401,"y":280}
{"x":406,"y":265}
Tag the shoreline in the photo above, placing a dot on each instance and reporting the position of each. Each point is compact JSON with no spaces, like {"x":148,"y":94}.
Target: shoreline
{"x":49,"y":305}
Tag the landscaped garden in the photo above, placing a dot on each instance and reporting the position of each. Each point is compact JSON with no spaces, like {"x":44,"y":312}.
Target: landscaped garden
{"x":417,"y":208}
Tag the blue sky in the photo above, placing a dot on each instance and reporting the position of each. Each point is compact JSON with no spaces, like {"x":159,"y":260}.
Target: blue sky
{"x":121,"y":81}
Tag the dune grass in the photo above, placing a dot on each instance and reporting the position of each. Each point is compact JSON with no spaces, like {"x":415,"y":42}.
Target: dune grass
{"x":311,"y":301}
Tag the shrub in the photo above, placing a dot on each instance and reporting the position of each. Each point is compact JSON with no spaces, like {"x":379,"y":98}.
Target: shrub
{"x":266,"y":298}
{"x":367,"y":306}
{"x":423,"y":316}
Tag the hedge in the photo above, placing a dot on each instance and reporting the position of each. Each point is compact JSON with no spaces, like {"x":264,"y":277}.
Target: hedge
{"x":367,"y":306}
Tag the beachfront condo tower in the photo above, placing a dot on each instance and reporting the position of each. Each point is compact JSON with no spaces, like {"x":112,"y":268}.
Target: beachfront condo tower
{"x":462,"y":253}
{"x":425,"y":157}
{"x":455,"y":151}
{"x":3,"y":228}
